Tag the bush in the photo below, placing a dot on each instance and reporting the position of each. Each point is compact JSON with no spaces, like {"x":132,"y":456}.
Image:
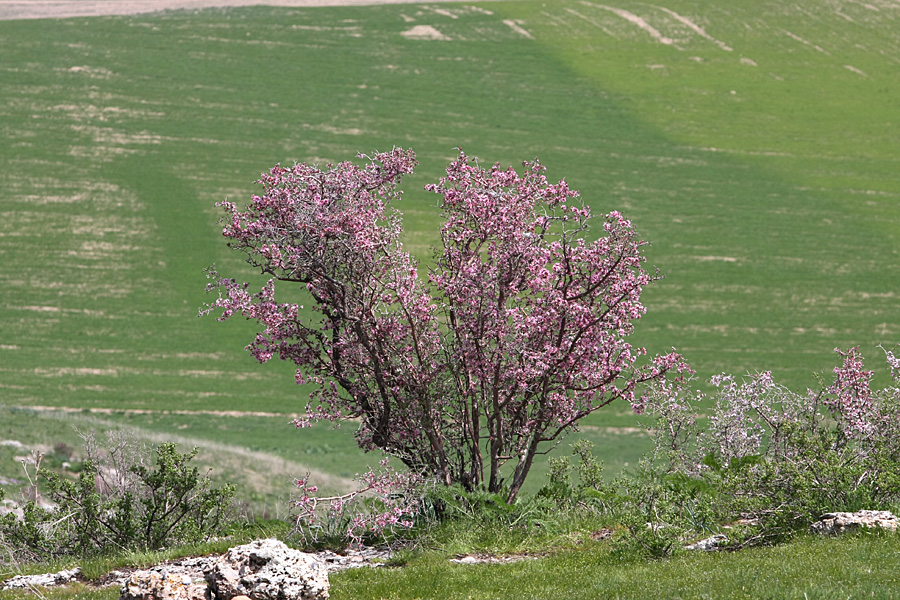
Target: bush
{"x":118,"y":502}
{"x":589,"y":492}
{"x":776,"y":459}
{"x":389,"y":507}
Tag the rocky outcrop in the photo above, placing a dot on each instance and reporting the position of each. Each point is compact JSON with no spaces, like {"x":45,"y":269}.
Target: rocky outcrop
{"x":267,"y":570}
{"x":261,"y":570}
{"x":175,"y":579}
{"x":839,"y":522}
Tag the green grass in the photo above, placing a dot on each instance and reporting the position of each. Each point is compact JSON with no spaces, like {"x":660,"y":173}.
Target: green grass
{"x":850,"y":567}
{"x":73,"y":592}
{"x":765,"y":176}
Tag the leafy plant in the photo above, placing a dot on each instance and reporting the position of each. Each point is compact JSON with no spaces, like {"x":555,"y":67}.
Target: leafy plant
{"x":118,"y":502}
{"x":589,"y":492}
{"x":384,"y":507}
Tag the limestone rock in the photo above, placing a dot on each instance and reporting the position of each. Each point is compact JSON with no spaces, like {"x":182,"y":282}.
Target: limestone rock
{"x":168,"y":582}
{"x":44,"y":580}
{"x":489,"y":559}
{"x":839,"y":522}
{"x":353,"y":558}
{"x":267,"y":570}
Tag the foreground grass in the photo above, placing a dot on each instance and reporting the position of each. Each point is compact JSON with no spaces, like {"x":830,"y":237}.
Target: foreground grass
{"x":74,"y":592}
{"x":853,"y":566}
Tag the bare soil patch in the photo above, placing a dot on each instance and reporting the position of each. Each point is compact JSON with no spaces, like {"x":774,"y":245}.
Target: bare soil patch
{"x":57,"y":9}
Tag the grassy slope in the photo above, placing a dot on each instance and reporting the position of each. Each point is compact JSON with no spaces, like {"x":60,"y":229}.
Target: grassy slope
{"x":776,"y":214}
{"x":766,"y":176}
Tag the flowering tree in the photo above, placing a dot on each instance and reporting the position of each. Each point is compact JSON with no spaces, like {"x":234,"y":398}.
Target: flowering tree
{"x":519,"y":332}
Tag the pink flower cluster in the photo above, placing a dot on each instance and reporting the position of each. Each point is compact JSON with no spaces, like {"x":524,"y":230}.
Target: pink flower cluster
{"x":518,"y":333}
{"x":538,"y":316}
{"x":398,"y":499}
{"x":849,"y":396}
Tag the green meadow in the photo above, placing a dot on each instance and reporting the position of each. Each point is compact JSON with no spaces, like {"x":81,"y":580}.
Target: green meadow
{"x":756,"y":144}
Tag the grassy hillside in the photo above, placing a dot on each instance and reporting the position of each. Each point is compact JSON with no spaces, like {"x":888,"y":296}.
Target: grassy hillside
{"x":754,"y":143}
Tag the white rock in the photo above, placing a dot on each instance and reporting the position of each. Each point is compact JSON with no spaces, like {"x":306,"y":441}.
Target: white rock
{"x":839,"y":522}
{"x":45,"y":580}
{"x":168,"y":582}
{"x":709,"y":544}
{"x":267,"y":570}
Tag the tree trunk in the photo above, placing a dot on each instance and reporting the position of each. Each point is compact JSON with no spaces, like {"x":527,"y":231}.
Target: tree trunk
{"x":522,"y":469}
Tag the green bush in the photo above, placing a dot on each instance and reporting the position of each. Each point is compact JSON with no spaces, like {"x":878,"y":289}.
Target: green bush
{"x":590,"y":492}
{"x":120,"y":503}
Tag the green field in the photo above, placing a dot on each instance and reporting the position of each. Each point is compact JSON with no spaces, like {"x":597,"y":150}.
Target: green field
{"x":756,"y":144}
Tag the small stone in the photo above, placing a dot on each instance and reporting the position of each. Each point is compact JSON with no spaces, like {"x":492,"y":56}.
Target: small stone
{"x":489,"y":560}
{"x":709,"y":544}
{"x":45,"y":580}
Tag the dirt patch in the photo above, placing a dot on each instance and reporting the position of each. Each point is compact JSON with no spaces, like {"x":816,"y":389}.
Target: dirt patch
{"x":57,"y":9}
{"x":636,"y":20}
{"x":515,"y":26}
{"x":424,"y":32}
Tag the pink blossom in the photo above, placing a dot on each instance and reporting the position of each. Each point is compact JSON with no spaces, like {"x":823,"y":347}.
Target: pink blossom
{"x":377,"y":506}
{"x":519,"y":332}
{"x":849,"y":395}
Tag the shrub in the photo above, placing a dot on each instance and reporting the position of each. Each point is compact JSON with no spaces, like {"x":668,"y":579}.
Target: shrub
{"x":780,"y":459}
{"x":519,"y":332}
{"x":118,"y":502}
{"x":590,"y":492}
